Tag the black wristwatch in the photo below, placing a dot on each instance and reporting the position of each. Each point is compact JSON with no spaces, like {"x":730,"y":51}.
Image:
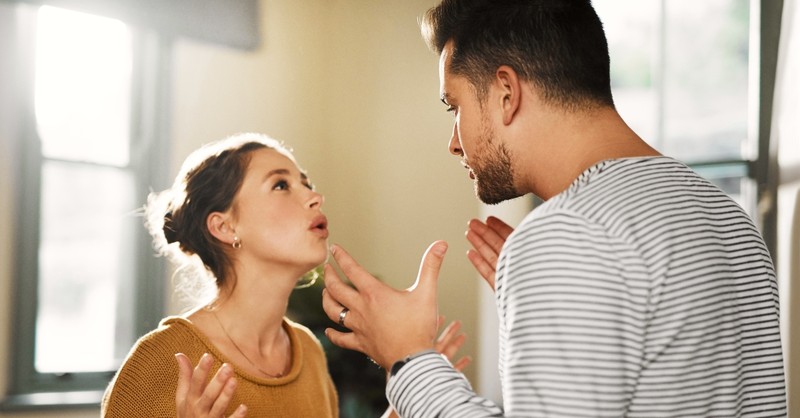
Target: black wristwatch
{"x":402,"y":362}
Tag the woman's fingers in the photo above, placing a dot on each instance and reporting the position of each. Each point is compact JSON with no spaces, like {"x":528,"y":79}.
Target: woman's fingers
{"x":194,"y":398}
{"x":218,"y":392}
{"x":450,"y":341}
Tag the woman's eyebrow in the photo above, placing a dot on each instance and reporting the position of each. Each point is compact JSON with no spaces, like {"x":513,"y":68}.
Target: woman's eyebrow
{"x":275,"y":172}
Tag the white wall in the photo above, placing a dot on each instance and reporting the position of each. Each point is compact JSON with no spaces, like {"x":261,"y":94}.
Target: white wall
{"x":786,"y":134}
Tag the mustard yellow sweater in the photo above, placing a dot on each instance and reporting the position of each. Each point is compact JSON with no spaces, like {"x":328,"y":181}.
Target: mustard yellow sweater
{"x":145,"y":384}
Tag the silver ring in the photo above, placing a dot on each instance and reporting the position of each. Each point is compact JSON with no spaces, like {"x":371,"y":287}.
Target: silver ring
{"x":342,"y":315}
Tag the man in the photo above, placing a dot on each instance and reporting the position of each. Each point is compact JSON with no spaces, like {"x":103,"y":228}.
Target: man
{"x":637,"y":289}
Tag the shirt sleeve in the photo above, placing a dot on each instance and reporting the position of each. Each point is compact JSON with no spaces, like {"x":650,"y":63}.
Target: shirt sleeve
{"x":570,"y":303}
{"x":429,"y":386}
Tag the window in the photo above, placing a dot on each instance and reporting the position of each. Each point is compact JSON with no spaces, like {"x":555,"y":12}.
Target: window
{"x":88,"y":284}
{"x":693,"y":80}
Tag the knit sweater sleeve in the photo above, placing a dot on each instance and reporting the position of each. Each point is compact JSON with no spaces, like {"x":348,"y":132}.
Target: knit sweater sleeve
{"x":145,"y":384}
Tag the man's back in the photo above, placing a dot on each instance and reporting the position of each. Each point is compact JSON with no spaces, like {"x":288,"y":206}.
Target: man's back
{"x":641,"y":290}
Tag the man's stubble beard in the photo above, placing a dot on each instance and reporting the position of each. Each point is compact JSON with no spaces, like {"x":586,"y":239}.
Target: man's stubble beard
{"x":494,"y":174}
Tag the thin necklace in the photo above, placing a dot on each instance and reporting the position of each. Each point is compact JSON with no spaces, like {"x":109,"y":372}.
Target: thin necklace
{"x":274,"y":376}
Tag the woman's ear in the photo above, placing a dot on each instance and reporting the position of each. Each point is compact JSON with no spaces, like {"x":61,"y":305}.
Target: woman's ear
{"x":219,"y":226}
{"x":508,"y":84}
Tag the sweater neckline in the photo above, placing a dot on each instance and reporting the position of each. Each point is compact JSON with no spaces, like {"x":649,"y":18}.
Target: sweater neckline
{"x":294,"y":341}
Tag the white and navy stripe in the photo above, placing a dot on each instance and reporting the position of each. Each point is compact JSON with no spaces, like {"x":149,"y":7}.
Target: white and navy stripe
{"x":640,"y":291}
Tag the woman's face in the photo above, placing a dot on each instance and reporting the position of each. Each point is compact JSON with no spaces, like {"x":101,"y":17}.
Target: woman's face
{"x":278,"y":217}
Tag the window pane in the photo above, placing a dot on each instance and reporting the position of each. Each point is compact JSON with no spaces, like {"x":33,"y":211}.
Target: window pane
{"x":680,"y":77}
{"x":680,"y":73}
{"x":85,"y":288}
{"x":632,"y":31}
{"x":706,"y":79}
{"x":83,"y":72}
{"x":85,"y":265}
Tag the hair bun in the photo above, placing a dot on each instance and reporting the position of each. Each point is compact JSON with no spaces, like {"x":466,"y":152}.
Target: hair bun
{"x":169,"y":228}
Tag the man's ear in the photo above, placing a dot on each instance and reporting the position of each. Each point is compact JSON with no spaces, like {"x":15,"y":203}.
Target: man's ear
{"x":508,"y":83}
{"x":218,"y":224}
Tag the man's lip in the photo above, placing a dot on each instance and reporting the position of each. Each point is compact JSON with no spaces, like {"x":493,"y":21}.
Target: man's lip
{"x":471,"y":173}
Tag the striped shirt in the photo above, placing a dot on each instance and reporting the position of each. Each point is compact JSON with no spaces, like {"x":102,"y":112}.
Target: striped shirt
{"x":641,"y":291}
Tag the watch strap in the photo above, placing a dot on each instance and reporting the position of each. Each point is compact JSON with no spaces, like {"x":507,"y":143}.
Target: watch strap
{"x":402,"y":362}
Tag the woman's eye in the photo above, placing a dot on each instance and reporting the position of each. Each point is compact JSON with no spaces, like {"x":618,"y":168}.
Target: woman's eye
{"x":281,"y":185}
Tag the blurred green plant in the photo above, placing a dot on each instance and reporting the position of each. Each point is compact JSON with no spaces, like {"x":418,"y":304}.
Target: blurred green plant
{"x":359,"y":382}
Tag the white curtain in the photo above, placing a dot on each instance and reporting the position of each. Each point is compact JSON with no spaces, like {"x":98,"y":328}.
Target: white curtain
{"x":786,"y":137}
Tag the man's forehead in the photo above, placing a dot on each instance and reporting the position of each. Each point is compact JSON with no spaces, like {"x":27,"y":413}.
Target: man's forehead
{"x":444,"y":63}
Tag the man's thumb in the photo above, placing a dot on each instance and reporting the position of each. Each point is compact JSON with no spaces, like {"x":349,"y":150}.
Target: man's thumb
{"x":430,"y":266}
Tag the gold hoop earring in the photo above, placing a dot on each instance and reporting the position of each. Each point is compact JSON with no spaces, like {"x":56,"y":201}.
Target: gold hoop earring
{"x":236,"y":244}
{"x":309,"y":279}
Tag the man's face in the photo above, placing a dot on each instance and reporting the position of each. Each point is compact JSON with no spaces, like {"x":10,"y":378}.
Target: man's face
{"x":474,"y":140}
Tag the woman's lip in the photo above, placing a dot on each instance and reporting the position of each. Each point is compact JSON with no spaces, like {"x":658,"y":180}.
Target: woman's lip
{"x":322,"y":232}
{"x":319,"y":225}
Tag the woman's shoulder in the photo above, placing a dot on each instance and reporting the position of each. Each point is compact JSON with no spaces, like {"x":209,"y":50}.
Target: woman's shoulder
{"x":171,"y":332}
{"x":173,"y":335}
{"x":146,"y":379}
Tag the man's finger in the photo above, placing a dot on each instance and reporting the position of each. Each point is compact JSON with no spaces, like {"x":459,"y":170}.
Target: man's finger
{"x":333,"y":309}
{"x":347,"y":340}
{"x":480,"y":244}
{"x":501,"y":228}
{"x":429,"y":268}
{"x":486,"y":270}
{"x":485,"y":238}
{"x":351,"y":269}
{"x":337,"y":289}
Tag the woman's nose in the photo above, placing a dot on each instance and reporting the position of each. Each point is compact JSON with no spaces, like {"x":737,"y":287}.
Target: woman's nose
{"x":316,"y":200}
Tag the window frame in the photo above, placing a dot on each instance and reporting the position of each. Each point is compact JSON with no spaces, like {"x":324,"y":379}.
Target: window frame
{"x":762,"y":169}
{"x":151,"y":82}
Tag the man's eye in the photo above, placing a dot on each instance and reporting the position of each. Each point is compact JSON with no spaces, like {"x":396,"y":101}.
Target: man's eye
{"x":281,"y":185}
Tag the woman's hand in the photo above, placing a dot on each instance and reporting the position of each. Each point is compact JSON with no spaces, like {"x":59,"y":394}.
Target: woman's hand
{"x":196,"y":399}
{"x":487,"y":239}
{"x":450,"y":341}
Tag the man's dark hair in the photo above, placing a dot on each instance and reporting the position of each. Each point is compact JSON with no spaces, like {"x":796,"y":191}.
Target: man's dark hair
{"x":557,"y":45}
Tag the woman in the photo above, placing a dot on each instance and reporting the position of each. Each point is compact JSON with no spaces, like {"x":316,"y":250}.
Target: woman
{"x":241,"y":212}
